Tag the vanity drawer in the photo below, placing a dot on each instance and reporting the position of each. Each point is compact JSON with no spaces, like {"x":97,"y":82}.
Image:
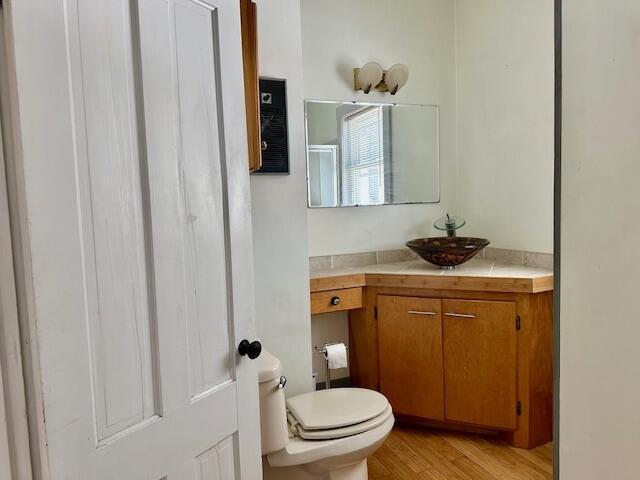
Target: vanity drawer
{"x":336,"y":300}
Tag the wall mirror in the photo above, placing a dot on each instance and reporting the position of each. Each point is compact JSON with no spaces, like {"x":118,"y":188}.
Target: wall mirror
{"x":371,"y":154}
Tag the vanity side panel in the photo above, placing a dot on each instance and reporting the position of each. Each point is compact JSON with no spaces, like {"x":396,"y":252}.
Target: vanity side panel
{"x":520,"y":437}
{"x":363,"y":343}
{"x":541,"y":370}
{"x":535,"y":372}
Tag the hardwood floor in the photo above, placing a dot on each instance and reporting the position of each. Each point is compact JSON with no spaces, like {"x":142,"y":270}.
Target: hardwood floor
{"x":412,"y":452}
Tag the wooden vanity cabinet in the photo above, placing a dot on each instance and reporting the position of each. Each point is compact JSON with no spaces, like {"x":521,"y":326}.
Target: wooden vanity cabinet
{"x":483,"y":360}
{"x":452,"y":360}
{"x":410,"y":350}
{"x":453,"y":351}
{"x":480,"y":378}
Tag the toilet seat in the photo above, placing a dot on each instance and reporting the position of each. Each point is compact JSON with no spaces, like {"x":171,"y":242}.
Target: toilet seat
{"x":336,"y":413}
{"x":341,"y":432}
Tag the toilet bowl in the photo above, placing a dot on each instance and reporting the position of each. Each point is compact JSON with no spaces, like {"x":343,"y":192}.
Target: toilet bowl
{"x":323,"y":435}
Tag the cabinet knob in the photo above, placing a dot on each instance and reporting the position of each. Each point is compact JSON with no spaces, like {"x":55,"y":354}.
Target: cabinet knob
{"x":335,"y":301}
{"x":250,"y":349}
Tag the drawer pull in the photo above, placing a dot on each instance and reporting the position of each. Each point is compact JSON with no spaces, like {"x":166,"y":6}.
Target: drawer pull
{"x":460,"y":315}
{"x":335,"y":301}
{"x":418,"y":312}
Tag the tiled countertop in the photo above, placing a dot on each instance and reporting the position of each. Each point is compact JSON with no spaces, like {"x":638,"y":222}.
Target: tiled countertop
{"x":477,"y":274}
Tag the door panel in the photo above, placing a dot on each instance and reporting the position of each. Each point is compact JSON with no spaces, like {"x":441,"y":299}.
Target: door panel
{"x":137,"y":227}
{"x":410,"y":349}
{"x":480,"y":362}
{"x":114,"y":223}
{"x":217,"y":463}
{"x":201,"y":197}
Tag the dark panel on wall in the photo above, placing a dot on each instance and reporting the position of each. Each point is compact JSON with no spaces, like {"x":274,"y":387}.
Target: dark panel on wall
{"x":273,"y":126}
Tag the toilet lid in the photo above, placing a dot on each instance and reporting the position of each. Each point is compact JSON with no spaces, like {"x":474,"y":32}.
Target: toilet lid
{"x":336,"y":408}
{"x":341,"y":432}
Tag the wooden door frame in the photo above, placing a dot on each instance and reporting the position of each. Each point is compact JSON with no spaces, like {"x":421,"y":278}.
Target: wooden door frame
{"x":21,"y":368}
{"x":14,"y":444}
{"x":557,"y":229}
{"x":8,"y":316}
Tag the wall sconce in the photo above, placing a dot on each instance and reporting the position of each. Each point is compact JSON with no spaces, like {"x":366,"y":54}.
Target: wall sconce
{"x":373,"y":77}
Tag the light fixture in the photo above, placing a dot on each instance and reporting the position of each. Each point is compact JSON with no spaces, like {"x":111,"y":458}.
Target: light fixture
{"x":373,"y":77}
{"x":369,"y":76}
{"x":396,"y":77}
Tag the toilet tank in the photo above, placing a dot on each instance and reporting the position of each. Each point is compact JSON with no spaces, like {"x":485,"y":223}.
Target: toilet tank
{"x":273,"y":415}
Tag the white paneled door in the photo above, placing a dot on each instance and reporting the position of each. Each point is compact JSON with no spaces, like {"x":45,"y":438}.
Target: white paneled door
{"x":136,"y":237}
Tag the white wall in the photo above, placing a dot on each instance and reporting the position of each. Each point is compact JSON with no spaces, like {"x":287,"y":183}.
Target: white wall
{"x":339,"y":35}
{"x":505,"y":71}
{"x":498,"y":55}
{"x":279,"y":209}
{"x":600,"y":327}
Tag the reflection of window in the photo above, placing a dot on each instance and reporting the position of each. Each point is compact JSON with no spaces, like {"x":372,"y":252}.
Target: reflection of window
{"x":363,"y":160}
{"x":323,"y":176}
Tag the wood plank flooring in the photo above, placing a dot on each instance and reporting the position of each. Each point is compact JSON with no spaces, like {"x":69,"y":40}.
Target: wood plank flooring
{"x":412,"y":452}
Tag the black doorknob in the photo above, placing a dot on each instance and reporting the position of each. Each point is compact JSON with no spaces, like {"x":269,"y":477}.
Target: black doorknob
{"x":250,"y":349}
{"x":335,"y":301}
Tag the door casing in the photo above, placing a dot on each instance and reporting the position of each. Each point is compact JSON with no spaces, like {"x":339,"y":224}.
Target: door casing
{"x":15,"y":461}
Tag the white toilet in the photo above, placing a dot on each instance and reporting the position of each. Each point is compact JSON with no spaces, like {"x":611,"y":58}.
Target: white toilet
{"x":323,"y":435}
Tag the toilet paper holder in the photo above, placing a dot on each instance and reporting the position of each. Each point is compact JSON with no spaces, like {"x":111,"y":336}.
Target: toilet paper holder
{"x":322,"y":350}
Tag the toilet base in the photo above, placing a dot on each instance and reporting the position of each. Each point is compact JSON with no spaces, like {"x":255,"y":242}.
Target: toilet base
{"x":312,"y":471}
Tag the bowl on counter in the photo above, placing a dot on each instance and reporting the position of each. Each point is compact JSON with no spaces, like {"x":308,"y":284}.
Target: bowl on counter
{"x":447,"y":252}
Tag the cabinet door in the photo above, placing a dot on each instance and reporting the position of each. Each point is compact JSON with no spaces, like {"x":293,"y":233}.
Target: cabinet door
{"x":480,"y":362}
{"x":410,"y":348}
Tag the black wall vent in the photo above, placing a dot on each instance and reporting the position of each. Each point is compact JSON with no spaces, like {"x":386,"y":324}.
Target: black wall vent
{"x":273,"y":126}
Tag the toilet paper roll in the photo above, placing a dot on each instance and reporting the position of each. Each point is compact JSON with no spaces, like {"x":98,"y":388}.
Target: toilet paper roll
{"x":337,"y":356}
